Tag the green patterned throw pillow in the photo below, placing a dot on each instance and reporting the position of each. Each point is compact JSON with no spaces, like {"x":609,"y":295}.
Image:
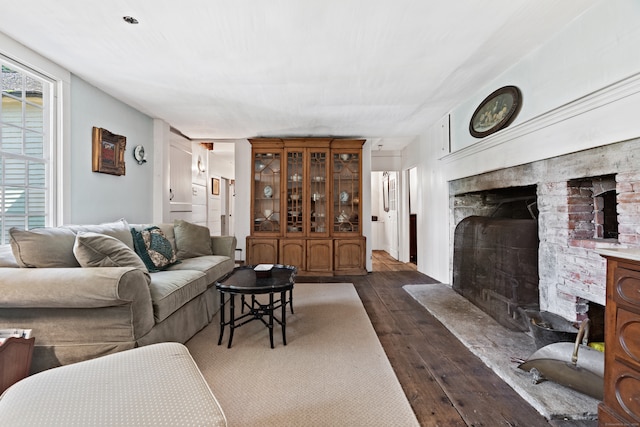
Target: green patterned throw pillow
{"x":153,"y":248}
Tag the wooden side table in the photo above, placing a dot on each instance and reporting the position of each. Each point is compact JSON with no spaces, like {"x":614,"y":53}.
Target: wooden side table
{"x":15,"y":360}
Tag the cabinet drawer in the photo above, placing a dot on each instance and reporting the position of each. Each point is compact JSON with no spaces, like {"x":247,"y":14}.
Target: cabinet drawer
{"x":607,"y":418}
{"x":627,"y":342}
{"x":625,"y":398}
{"x":627,"y":287}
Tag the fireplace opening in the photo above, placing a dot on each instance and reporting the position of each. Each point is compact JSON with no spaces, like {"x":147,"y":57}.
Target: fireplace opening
{"x":495,"y":259}
{"x":610,"y":215}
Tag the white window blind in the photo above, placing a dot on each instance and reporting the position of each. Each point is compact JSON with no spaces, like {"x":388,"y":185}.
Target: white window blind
{"x":25,"y":149}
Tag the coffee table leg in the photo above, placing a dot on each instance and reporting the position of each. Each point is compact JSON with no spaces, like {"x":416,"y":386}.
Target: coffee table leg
{"x":222,"y":308}
{"x":232,"y":318}
{"x":283,"y":296}
{"x":271,"y":318}
{"x":291,"y":300}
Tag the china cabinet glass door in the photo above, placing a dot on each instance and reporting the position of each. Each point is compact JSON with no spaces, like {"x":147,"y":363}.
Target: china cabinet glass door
{"x":346,"y":192}
{"x":295,"y":192}
{"x":266,"y":203}
{"x":318,"y":210}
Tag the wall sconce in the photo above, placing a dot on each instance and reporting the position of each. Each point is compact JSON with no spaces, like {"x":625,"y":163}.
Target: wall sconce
{"x":138,"y":154}
{"x":201,"y":168}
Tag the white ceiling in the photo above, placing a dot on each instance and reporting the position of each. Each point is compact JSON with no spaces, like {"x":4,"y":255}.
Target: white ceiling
{"x":227,"y":69}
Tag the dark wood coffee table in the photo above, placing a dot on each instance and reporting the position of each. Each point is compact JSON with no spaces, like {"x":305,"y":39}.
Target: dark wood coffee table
{"x":256,"y":280}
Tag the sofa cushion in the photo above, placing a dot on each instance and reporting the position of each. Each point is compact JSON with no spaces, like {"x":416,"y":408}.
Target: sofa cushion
{"x":118,"y":229}
{"x":153,"y":248}
{"x":192,"y":240}
{"x":170,"y":290}
{"x":48,"y":247}
{"x":214,"y":266}
{"x":6,"y":257}
{"x":100,"y":250}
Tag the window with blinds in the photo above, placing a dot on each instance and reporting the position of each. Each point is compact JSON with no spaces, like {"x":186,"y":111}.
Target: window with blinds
{"x":25,"y":149}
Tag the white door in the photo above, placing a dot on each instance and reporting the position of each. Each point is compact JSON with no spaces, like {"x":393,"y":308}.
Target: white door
{"x":391,"y":218}
{"x":224,"y":206}
{"x":180,"y":194}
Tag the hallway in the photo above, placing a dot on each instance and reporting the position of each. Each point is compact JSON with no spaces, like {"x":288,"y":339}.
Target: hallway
{"x":382,"y":261}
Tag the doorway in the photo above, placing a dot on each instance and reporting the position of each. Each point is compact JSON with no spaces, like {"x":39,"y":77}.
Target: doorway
{"x":390,"y":188}
{"x":412,"y":184}
{"x":384,"y":225}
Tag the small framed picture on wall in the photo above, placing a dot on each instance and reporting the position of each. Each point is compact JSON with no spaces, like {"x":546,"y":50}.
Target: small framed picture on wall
{"x":108,"y":152}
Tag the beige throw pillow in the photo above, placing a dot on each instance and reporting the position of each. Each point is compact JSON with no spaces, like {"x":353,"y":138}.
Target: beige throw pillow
{"x":48,"y":247}
{"x":192,"y":240}
{"x":99,"y":250}
{"x":118,"y":229}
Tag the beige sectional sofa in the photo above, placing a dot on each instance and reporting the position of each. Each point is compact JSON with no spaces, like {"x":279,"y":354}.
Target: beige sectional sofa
{"x":85,"y":291}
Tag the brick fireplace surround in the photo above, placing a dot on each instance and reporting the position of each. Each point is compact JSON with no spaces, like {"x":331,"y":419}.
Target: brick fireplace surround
{"x":571,"y":220}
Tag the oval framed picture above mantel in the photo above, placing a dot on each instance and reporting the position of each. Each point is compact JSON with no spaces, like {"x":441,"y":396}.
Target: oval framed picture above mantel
{"x":496,"y":111}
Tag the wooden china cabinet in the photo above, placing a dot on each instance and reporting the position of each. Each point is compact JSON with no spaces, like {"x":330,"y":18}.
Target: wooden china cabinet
{"x":305,"y":205}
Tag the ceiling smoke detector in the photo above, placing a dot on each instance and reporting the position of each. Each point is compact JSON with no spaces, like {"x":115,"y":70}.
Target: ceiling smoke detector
{"x":130,"y":20}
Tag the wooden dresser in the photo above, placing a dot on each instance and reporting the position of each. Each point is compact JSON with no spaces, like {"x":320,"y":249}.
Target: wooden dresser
{"x":621,"y":404}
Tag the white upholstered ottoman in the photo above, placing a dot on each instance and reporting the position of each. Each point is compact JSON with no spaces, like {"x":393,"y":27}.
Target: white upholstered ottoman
{"x":154,"y":385}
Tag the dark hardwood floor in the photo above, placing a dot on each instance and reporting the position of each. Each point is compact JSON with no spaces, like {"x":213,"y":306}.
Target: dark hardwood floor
{"x":444,"y":382}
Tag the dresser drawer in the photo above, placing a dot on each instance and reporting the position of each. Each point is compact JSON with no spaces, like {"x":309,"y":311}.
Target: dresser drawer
{"x":607,"y":418}
{"x":624,"y":388}
{"x":627,"y":287}
{"x":627,"y":333}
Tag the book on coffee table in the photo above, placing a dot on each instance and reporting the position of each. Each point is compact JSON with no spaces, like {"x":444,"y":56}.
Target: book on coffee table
{"x":263,"y":267}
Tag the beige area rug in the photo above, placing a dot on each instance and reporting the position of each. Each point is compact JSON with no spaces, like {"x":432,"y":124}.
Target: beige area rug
{"x":496,"y":345}
{"x":332,"y":372}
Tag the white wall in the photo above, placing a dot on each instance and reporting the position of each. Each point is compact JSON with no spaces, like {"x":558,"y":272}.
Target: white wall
{"x":597,"y":49}
{"x":244,"y":176}
{"x":574,"y":97}
{"x":386,"y":160}
{"x":366,"y":201}
{"x":98,"y":197}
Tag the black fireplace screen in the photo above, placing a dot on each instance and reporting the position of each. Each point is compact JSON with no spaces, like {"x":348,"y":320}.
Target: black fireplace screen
{"x":495,"y":266}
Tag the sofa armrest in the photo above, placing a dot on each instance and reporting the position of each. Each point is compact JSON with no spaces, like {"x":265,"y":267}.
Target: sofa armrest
{"x":73,"y":287}
{"x":76,"y":313}
{"x":224,"y":245}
